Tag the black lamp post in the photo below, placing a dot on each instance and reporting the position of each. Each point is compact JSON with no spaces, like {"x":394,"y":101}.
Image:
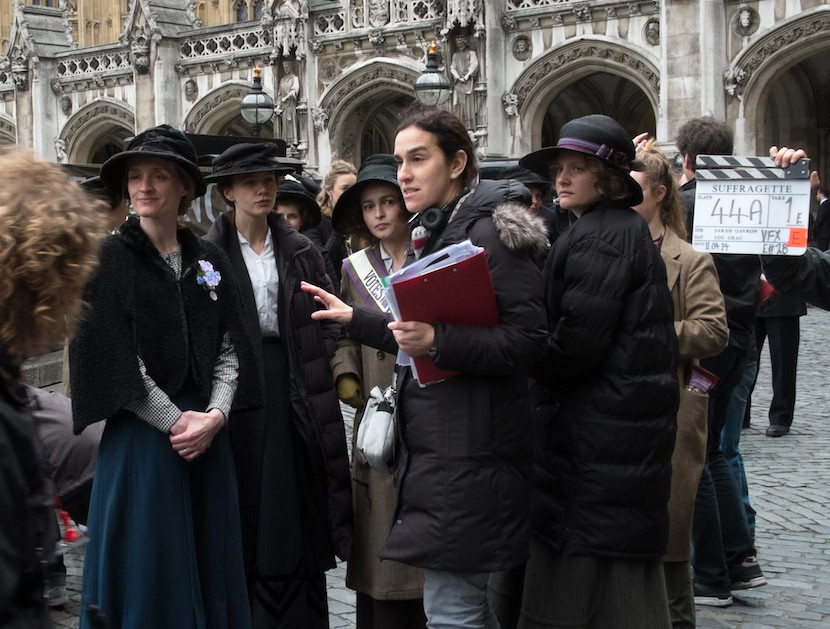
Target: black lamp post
{"x":257,"y":107}
{"x":432,"y":88}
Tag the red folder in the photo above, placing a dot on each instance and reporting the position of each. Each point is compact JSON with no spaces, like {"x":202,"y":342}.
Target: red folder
{"x":461,"y":293}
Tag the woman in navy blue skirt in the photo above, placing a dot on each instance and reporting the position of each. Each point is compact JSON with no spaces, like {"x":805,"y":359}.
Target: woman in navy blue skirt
{"x":158,"y":357}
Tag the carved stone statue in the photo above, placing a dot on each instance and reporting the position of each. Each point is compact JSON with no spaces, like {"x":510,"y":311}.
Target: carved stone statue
{"x":464,"y":68}
{"x":652,"y":32}
{"x":60,"y":149}
{"x":747,"y":22}
{"x":191,"y":90}
{"x":288,"y":93}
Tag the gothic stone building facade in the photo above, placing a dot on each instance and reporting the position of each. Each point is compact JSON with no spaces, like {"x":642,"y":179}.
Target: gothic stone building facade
{"x":78,"y":77}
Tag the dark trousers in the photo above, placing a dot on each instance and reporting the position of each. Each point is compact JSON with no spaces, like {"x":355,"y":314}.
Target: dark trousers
{"x":784,"y":335}
{"x":720,"y":533}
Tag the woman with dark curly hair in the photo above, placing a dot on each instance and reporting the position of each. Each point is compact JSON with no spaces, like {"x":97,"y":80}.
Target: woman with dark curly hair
{"x":49,"y":235}
{"x":161,"y":357}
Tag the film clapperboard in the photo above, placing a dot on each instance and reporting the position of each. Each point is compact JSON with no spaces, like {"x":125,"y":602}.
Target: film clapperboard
{"x":748,"y":205}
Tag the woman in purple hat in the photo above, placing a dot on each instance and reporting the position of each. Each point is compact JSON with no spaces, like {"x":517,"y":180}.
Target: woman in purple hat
{"x":291,"y":457}
{"x":603,"y":445}
{"x":161,"y":356}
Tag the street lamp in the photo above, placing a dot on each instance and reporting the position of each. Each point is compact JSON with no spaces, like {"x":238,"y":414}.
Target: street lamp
{"x":257,"y":108}
{"x":432,"y":88}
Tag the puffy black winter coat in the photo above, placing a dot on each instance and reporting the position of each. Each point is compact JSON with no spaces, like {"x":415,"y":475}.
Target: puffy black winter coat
{"x":463,"y":477}
{"x":603,"y":457}
{"x":309,"y":345}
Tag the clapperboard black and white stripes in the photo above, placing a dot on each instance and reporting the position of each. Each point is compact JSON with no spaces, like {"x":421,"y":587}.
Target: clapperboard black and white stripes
{"x":747,"y":205}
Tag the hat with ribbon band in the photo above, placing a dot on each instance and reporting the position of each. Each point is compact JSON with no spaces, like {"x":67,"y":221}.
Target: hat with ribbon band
{"x":596,"y":135}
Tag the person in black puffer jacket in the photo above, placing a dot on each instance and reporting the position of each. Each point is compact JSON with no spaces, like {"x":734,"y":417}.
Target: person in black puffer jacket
{"x":464,"y":471}
{"x":603,"y":446}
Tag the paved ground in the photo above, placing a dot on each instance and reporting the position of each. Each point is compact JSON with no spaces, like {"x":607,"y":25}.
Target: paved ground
{"x":789,"y":487}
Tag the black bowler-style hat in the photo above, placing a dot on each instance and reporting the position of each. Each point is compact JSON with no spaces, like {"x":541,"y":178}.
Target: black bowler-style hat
{"x":346,"y":216}
{"x":598,"y":136}
{"x":164,"y":142}
{"x":526,"y":176}
{"x":291,"y":190}
{"x":248,"y":157}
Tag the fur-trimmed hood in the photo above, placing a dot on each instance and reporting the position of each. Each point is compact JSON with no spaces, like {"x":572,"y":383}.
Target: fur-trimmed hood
{"x":507,"y":202}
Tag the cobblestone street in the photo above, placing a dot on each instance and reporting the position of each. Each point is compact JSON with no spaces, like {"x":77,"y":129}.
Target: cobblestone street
{"x":788,"y":483}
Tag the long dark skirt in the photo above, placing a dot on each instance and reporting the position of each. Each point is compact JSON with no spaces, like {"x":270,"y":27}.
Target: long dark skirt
{"x":288,"y":589}
{"x":165,"y":543}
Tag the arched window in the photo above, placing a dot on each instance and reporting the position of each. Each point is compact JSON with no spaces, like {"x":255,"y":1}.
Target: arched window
{"x":242,"y":11}
{"x":259,"y":7}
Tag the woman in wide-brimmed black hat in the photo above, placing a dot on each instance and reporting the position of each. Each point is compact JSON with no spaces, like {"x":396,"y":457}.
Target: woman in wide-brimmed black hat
{"x":389,"y":593}
{"x":603,"y":445}
{"x":161,"y":356}
{"x":291,"y":456}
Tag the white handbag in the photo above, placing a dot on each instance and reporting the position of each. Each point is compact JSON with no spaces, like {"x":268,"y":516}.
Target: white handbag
{"x":376,"y":433}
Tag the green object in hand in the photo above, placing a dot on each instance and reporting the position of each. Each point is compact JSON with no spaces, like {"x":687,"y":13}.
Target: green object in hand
{"x":350,"y":391}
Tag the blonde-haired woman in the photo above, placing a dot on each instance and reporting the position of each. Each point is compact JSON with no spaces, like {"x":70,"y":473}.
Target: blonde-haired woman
{"x":341,"y":176}
{"x":49,"y":235}
{"x":161,"y":357}
{"x":700,"y":324}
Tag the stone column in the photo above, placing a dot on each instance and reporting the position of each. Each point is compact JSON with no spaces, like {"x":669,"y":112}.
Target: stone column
{"x":166,"y":85}
{"x":712,"y":60}
{"x":44,"y":104}
{"x":142,"y":55}
{"x":495,"y":70}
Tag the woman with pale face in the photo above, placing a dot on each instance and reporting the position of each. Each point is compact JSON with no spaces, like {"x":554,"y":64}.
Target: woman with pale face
{"x":609,"y":374}
{"x":466,"y":434}
{"x":158,"y":358}
{"x":290,"y":457}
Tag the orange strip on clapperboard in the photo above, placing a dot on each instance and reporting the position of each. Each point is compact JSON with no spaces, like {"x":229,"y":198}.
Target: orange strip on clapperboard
{"x":798,"y":237}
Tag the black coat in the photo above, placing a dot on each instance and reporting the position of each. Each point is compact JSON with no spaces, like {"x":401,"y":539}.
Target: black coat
{"x":28,"y":530}
{"x":603,"y":457}
{"x":138,"y":308}
{"x":309,"y":345}
{"x":463,"y":477}
{"x":820,"y":228}
{"x":806,"y":276}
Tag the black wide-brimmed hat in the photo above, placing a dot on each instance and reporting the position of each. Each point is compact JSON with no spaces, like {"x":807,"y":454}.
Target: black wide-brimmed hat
{"x":97,"y":188}
{"x":290,"y":189}
{"x":527,"y":177}
{"x":164,"y":142}
{"x":379,"y":168}
{"x":598,"y":136}
{"x":248,"y":157}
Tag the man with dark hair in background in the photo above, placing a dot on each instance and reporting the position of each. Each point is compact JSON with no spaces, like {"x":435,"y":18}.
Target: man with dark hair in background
{"x":724,"y":554}
{"x":699,"y":136}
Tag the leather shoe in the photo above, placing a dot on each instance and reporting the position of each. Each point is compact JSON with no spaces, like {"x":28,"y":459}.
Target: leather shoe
{"x":777,"y":430}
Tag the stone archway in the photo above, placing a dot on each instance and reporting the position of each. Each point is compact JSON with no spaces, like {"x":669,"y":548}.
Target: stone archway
{"x":8,"y":130}
{"x":588,"y":76}
{"x":780,"y":83}
{"x":97,"y":131}
{"x":363,"y":107}
{"x":217,"y":113}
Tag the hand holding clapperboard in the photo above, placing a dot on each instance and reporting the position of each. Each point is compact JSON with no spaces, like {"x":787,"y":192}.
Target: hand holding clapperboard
{"x":748,"y":205}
